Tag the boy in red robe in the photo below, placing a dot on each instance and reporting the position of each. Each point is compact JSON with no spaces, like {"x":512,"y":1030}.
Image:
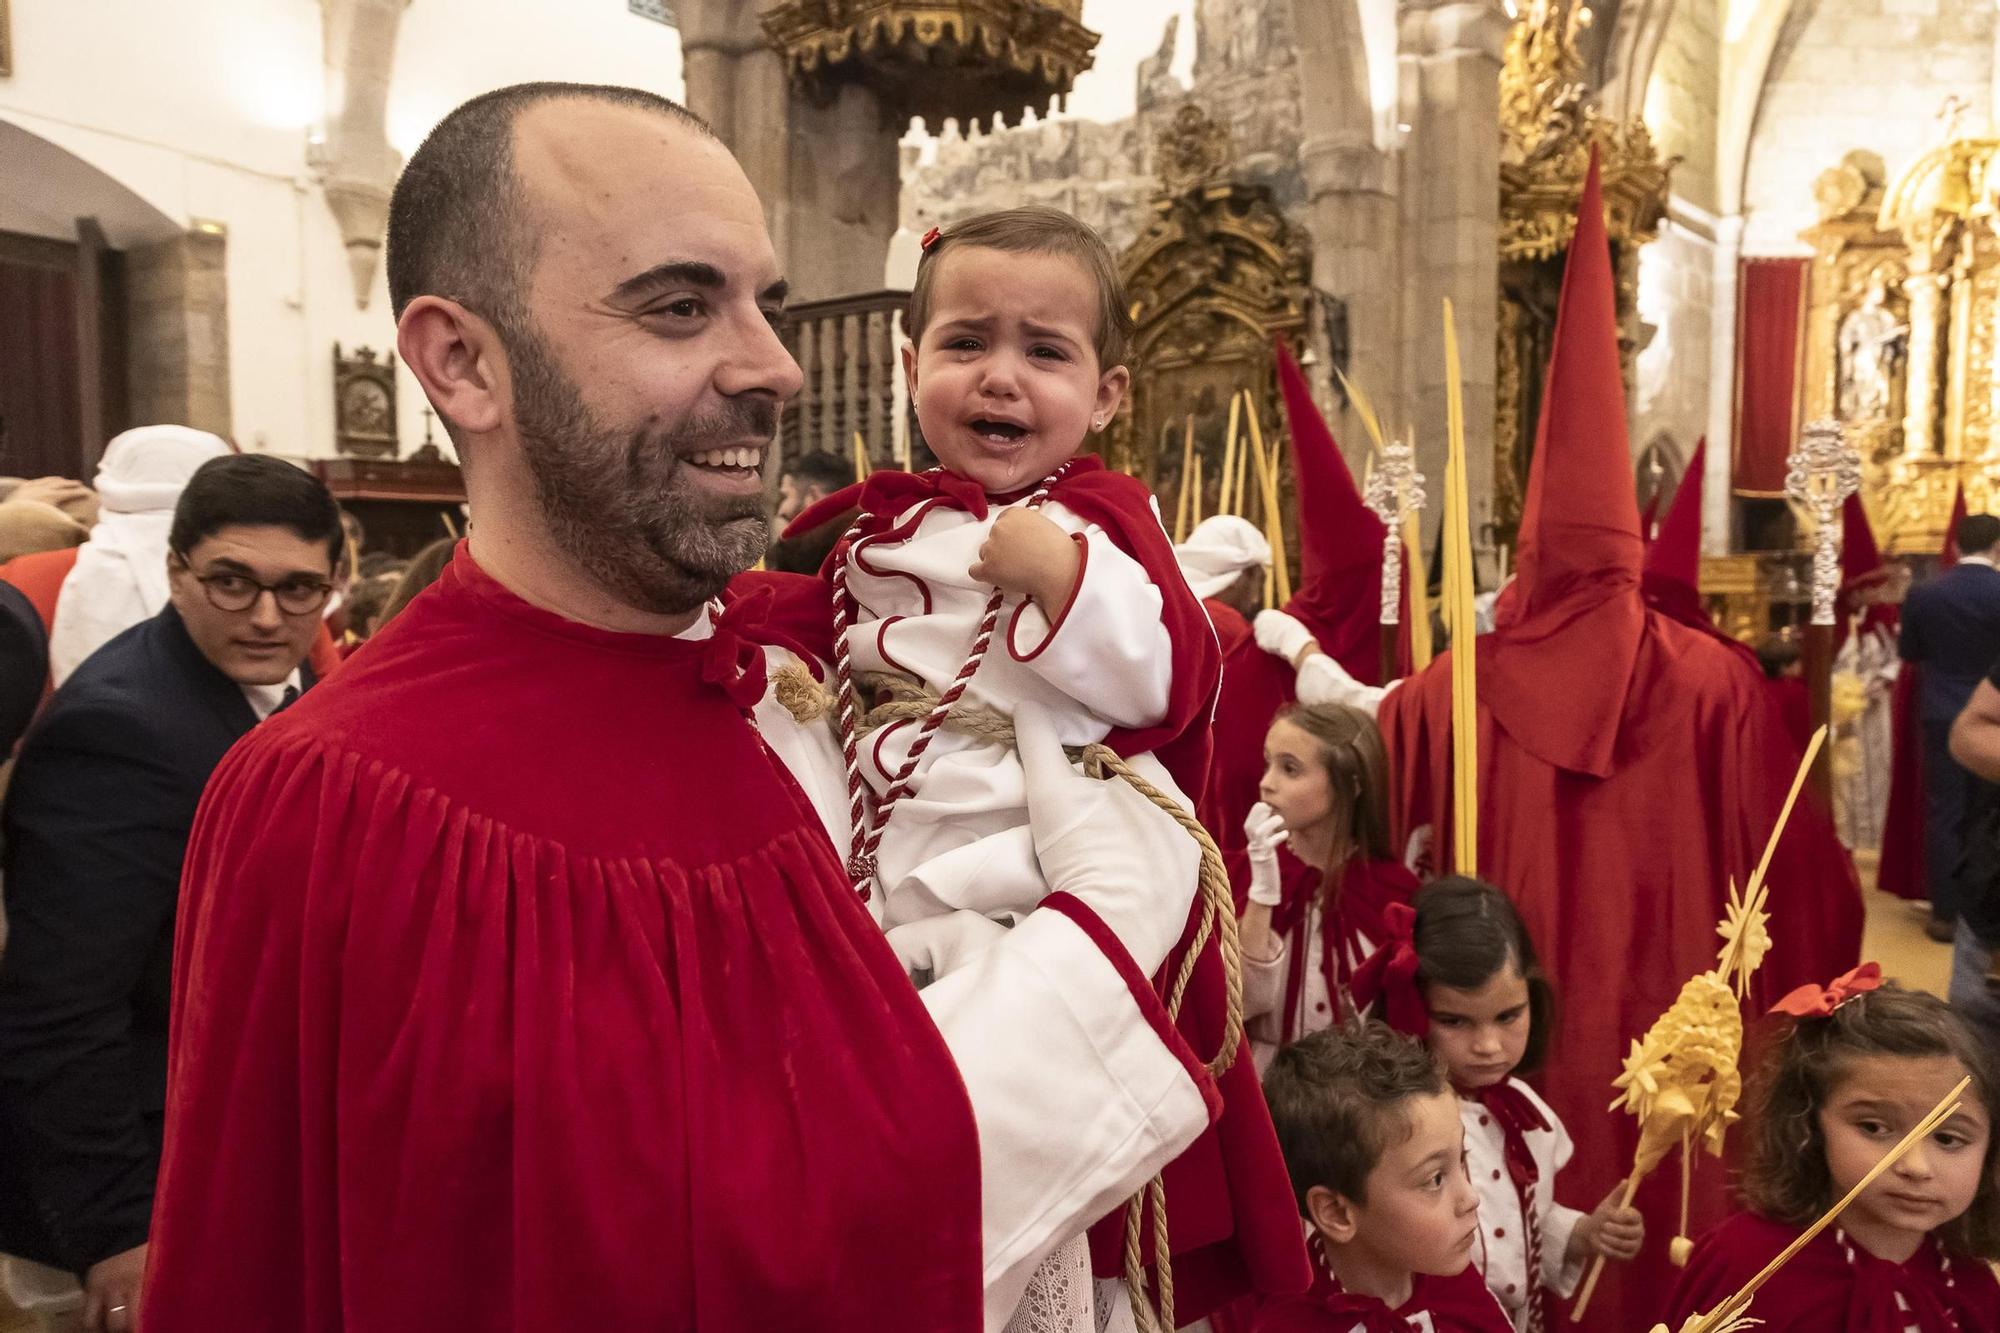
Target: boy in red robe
{"x":1376,"y":1151}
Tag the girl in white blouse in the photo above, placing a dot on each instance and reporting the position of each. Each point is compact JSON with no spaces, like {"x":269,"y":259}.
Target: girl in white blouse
{"x":1460,"y":972}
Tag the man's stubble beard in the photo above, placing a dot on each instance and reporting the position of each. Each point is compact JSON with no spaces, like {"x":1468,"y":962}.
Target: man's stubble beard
{"x":616,"y":501}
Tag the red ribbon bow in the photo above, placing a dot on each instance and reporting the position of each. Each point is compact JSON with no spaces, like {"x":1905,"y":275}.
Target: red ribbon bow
{"x":931,"y":239}
{"x":733,"y":660}
{"x":1517,"y":1118}
{"x":1390,"y":974}
{"x":1811,"y":1001}
{"x":888,"y":493}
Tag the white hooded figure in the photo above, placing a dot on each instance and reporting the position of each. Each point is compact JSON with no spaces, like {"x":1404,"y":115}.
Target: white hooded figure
{"x":1219,"y":551}
{"x":120,"y":576}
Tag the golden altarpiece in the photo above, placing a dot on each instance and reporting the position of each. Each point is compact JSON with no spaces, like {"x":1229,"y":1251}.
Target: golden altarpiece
{"x":1902,"y":314}
{"x":1213,"y":279}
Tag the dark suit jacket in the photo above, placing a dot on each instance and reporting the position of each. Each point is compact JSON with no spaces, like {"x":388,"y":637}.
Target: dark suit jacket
{"x":96,"y":824}
{"x":24,"y":664}
{"x":1951,"y":627}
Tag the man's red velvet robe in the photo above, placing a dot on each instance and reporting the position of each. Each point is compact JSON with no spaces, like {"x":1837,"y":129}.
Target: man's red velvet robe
{"x":518,"y":988}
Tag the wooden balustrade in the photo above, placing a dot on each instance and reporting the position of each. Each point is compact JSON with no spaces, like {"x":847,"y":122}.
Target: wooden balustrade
{"x":847,"y":348}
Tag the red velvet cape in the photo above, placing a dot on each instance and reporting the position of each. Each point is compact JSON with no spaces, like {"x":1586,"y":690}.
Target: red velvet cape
{"x":1123,"y":507}
{"x":517,"y":987}
{"x":1621,"y":880}
{"x":1820,"y":1291}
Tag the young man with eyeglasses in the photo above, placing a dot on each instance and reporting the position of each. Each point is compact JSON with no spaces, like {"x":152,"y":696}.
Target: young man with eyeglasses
{"x":96,"y":824}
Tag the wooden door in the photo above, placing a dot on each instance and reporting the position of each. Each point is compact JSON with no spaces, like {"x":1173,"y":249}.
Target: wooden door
{"x":41,"y":427}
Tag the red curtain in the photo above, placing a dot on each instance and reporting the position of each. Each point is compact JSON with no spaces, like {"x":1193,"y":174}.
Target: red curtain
{"x":1770,"y":340}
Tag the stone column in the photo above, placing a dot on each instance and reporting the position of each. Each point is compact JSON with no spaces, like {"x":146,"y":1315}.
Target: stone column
{"x":1353,"y":227}
{"x":1715,"y":496}
{"x":827,"y":175}
{"x":1451,"y":217}
{"x":1920,"y":402}
{"x":177,"y":329}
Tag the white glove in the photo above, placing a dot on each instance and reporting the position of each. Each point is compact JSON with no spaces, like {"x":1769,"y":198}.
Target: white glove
{"x":1106,"y":845}
{"x":1282,"y":635}
{"x":1321,"y":680}
{"x":1265,"y":828}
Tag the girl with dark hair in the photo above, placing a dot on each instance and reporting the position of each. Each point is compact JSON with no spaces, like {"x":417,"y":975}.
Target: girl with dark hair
{"x":1859,"y":1065}
{"x":1324,"y":795}
{"x":1460,"y":972}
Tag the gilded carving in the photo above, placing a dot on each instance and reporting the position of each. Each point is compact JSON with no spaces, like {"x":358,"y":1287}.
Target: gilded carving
{"x":1902,"y":320}
{"x":1213,"y":278}
{"x":1548,"y":130}
{"x":942,"y":59}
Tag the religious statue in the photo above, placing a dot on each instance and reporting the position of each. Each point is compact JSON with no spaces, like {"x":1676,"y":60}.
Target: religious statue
{"x":1871,"y":356}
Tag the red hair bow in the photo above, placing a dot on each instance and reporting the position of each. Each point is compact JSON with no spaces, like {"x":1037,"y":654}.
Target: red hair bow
{"x":1819,"y":1001}
{"x":732,"y":659}
{"x":931,"y":239}
{"x":1390,"y":974}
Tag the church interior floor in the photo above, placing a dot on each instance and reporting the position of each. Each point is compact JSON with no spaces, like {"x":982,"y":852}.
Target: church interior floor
{"x":1894,"y":936}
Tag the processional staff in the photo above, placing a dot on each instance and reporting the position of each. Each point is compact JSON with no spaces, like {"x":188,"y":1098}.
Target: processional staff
{"x":1395,"y":491}
{"x":1821,"y":472}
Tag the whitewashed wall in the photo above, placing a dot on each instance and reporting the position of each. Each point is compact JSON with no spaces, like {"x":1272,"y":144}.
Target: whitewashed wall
{"x":203,"y":110}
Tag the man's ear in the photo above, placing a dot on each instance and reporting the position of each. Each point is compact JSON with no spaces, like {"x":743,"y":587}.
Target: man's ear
{"x":458,"y":359}
{"x":1337,"y":1217}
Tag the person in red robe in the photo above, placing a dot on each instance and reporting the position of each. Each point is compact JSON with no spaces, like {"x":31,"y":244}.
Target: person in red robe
{"x":1670,"y":579}
{"x":1339,"y":602}
{"x":1855,"y":1067}
{"x":1629,"y":768}
{"x":518,"y":983}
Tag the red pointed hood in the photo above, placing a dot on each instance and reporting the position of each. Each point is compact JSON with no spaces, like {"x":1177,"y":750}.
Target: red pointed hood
{"x":1575,"y":614}
{"x":1339,"y":597}
{"x":1676,"y":553}
{"x":1949,"y":556}
{"x":1861,"y":570}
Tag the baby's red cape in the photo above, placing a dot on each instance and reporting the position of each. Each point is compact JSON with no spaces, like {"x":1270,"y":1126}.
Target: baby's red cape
{"x":1115,"y":502}
{"x":517,"y":987}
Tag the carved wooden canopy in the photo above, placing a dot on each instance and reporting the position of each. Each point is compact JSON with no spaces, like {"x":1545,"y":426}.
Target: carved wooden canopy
{"x":1213,"y":278}
{"x":944,"y":58}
